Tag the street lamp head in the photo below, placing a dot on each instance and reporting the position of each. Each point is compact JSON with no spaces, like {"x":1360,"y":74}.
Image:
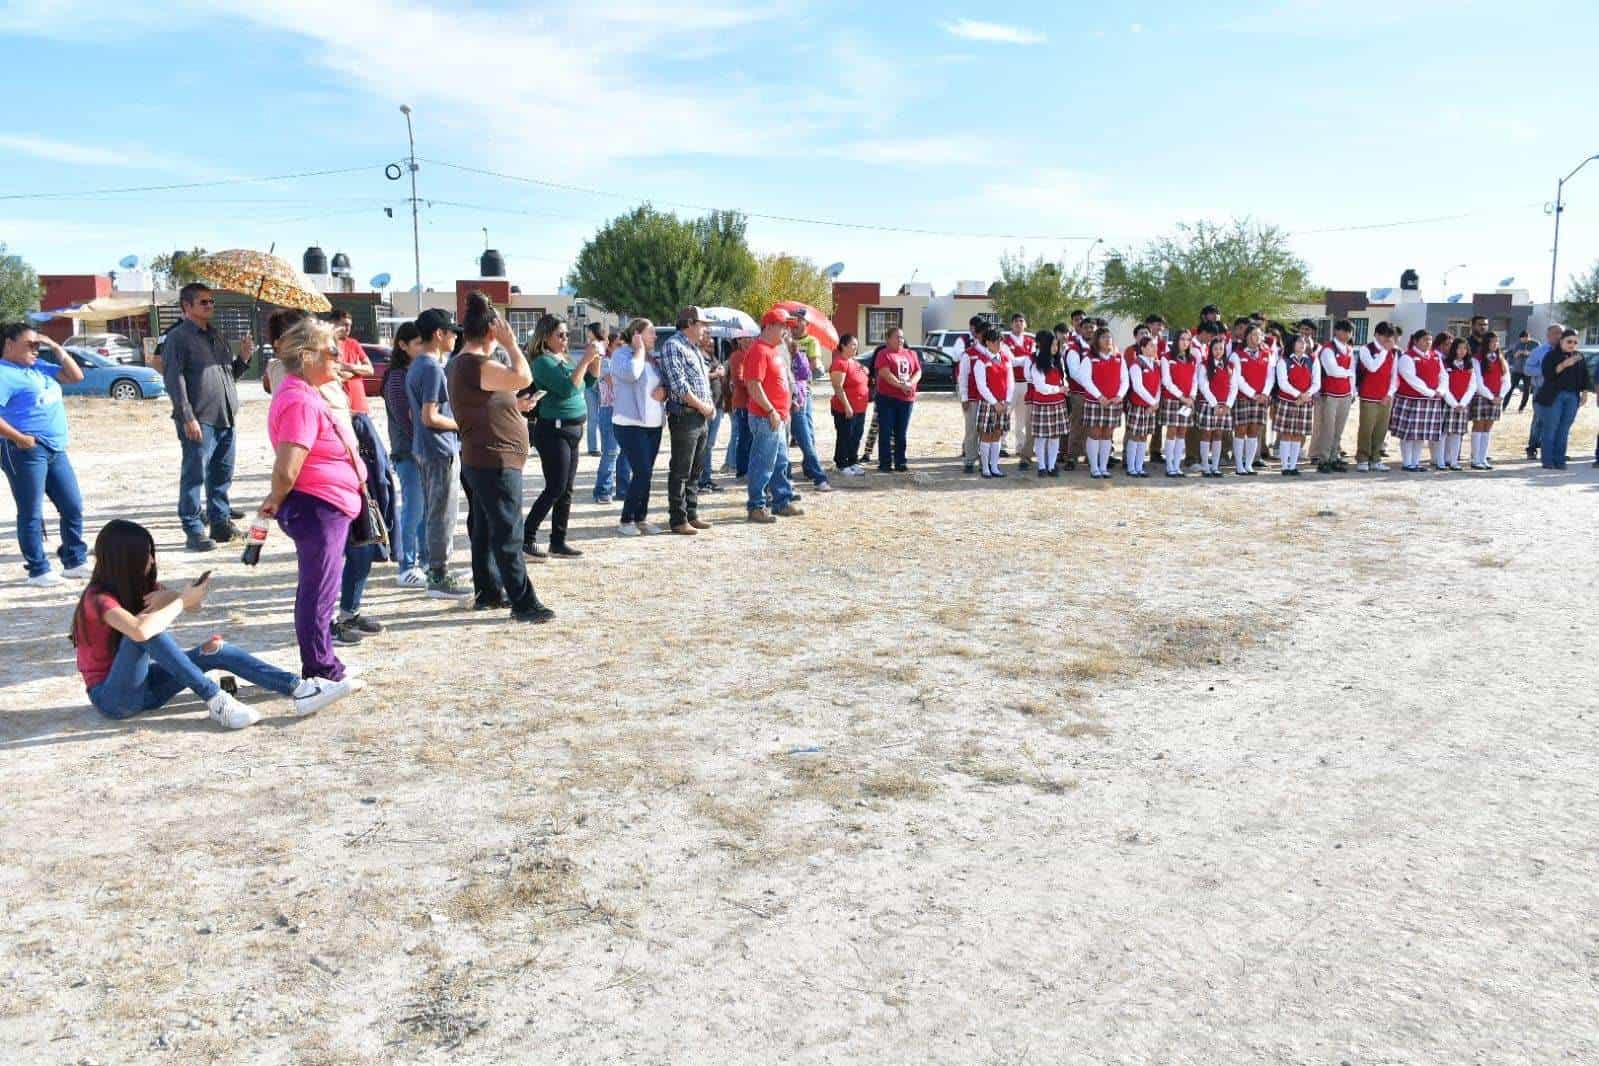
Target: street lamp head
{"x":405,"y":109}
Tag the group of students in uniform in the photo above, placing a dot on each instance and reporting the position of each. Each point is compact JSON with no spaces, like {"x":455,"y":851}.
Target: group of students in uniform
{"x":1212,"y":392}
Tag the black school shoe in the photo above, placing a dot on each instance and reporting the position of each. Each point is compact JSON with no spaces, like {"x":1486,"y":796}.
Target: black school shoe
{"x":536,"y":614}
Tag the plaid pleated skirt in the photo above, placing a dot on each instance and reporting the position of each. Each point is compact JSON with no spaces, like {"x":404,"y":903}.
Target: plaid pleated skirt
{"x":1051,"y":419}
{"x":1101,"y":415}
{"x":1484,"y":410}
{"x":1247,"y":412}
{"x":1414,"y":418}
{"x":1292,"y":419}
{"x":1457,"y":419}
{"x":1171,"y":413}
{"x":1214,"y":418}
{"x":993,"y":417}
{"x":1140,"y":420}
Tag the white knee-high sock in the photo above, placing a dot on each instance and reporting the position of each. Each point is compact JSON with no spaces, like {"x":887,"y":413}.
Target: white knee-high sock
{"x":1105,"y":447}
{"x":1410,"y":452}
{"x":1451,"y":449}
{"x":1433,"y":451}
{"x":1252,"y":446}
{"x":1204,"y":455}
{"x":1143,"y":455}
{"x":1487,"y":444}
{"x":1041,"y":452}
{"x":991,"y":456}
{"x":1240,"y":452}
{"x":1053,"y":453}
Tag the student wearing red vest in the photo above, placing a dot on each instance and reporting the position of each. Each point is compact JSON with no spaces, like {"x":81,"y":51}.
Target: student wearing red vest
{"x":1459,"y":387}
{"x":1104,"y":378}
{"x":1376,"y":379}
{"x":1019,"y":348}
{"x":1204,"y":333}
{"x":1336,"y":361}
{"x":966,"y":393}
{"x":1298,"y":383}
{"x":1418,"y":414}
{"x":1046,"y":403}
{"x":1494,"y":381}
{"x":1179,"y":384}
{"x":1157,"y":329}
{"x":1218,"y":391}
{"x":1253,"y":365}
{"x":1077,"y":349}
{"x":992,"y":376}
{"x":1143,"y":397}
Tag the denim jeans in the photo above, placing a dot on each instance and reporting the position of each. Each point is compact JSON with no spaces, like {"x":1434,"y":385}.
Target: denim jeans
{"x":146,"y":676}
{"x":1558,"y":417}
{"x":319,"y":531}
{"x":713,"y":429}
{"x":847,"y":433}
{"x":36,"y":474}
{"x":410,"y":540}
{"x":768,"y":466}
{"x":738,"y":443}
{"x":894,"y":418}
{"x":640,"y":446}
{"x":352,"y":581}
{"x":1535,"y":431}
{"x":441,"y":495}
{"x":805,"y":437}
{"x":205,"y":477}
{"x":591,"y":398}
{"x":614,"y":474}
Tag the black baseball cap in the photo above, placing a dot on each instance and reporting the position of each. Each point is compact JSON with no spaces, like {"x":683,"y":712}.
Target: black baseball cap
{"x":434,"y":319}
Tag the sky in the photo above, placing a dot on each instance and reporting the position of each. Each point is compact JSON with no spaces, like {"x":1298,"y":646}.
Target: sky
{"x":907,"y":141}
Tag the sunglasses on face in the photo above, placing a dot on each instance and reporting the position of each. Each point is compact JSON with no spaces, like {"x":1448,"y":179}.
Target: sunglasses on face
{"x":206,"y":303}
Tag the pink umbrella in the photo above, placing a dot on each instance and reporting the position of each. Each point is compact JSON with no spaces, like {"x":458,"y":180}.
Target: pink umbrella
{"x":817,"y":324}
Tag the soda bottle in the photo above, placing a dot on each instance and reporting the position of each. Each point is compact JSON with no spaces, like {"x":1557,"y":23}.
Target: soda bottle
{"x":253,"y":540}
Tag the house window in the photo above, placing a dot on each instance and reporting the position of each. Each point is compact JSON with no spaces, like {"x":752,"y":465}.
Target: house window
{"x":879,"y":320}
{"x":1591,"y":335}
{"x":524,"y":322}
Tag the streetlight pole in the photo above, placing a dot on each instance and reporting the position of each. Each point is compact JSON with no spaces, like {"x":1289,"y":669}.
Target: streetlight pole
{"x":1451,"y":270}
{"x":416,"y":233}
{"x":1088,"y":254}
{"x":1554,"y":256}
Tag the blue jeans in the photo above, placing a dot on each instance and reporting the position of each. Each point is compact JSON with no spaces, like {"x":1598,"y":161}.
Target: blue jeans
{"x":146,"y":676}
{"x":1535,"y":431}
{"x":352,"y":581}
{"x":411,"y":538}
{"x":712,"y":428}
{"x":893,"y":420}
{"x":35,"y":474}
{"x":738,"y":443}
{"x":1557,"y":419}
{"x":639,"y":447}
{"x":205,"y":478}
{"x":591,"y":397}
{"x":768,"y":465}
{"x":805,"y":437}
{"x":615,"y":473}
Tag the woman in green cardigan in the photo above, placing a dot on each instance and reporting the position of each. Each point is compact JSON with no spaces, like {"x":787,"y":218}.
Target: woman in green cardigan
{"x":558,"y":432}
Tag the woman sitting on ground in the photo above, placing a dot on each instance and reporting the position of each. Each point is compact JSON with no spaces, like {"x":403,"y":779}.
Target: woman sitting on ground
{"x":129,"y":660}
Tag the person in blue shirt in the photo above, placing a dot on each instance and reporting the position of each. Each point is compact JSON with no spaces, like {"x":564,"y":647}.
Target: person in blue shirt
{"x":33,"y":451}
{"x":1534,"y":371}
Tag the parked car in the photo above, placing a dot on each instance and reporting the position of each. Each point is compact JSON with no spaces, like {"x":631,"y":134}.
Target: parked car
{"x":378,"y":355}
{"x":107,"y":377}
{"x":953,"y":341}
{"x":938,"y":366}
{"x":114,"y":346}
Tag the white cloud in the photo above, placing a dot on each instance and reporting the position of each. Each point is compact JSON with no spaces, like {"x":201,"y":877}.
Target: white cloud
{"x":74,"y":154}
{"x":992,"y":32}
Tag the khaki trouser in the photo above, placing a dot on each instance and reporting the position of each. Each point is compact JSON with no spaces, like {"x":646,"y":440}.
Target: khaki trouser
{"x":1021,"y":424}
{"x":969,"y":441}
{"x":1327,"y":432}
{"x":1373,"y":428}
{"x":1077,"y":437}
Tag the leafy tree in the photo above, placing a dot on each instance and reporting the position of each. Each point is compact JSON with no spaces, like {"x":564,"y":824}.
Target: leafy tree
{"x":1581,"y":305}
{"x":1043,"y":291}
{"x":19,"y":287}
{"x":1240,"y":267}
{"x":176,"y":268}
{"x":652,"y":263}
{"x":786,"y":277}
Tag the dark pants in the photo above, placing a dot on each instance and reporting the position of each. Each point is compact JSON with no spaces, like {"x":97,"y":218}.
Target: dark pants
{"x":847,"y":433}
{"x":558,"y":448}
{"x":36,"y":474}
{"x":498,"y":572}
{"x":893,"y":419}
{"x":319,"y":531}
{"x":641,"y":446}
{"x":689,"y":456}
{"x":741,"y":433}
{"x":205,"y":477}
{"x":358,"y":562}
{"x":1522,"y":382}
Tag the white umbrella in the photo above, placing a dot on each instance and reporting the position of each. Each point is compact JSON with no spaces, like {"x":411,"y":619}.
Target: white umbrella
{"x":730,"y":322}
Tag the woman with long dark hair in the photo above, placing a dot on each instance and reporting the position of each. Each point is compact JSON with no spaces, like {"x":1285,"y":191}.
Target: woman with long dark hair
{"x":1565,"y":383}
{"x":1458,"y":387}
{"x":410,"y":533}
{"x":1103,"y":375}
{"x":558,"y":433}
{"x":130,"y":661}
{"x":1179,"y":381}
{"x":1495,"y":383}
{"x":1418,"y":414}
{"x":1049,"y":420}
{"x":1218,"y":391}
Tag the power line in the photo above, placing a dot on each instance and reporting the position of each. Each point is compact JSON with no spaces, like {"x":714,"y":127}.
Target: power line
{"x":1412,"y":221}
{"x":183,"y":185}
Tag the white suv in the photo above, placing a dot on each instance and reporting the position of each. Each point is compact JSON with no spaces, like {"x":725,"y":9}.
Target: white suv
{"x":950,"y":341}
{"x":114,"y":346}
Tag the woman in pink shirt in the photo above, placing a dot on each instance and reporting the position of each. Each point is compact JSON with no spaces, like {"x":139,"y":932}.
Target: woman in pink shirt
{"x":316,"y":487}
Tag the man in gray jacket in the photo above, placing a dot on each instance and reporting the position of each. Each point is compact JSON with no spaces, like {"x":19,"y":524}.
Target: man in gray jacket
{"x":200,"y":368}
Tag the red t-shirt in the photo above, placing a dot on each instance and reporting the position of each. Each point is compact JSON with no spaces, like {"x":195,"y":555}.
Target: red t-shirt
{"x":735,"y":374}
{"x":351,"y":352}
{"x":856,"y":387}
{"x":904,"y":363}
{"x":95,"y":654}
{"x":765,"y":365}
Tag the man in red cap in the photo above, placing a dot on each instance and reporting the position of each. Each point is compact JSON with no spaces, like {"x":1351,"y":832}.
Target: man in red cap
{"x":766,"y":379}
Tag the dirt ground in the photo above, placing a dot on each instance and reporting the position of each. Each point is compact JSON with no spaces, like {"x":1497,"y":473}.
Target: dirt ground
{"x":1263,"y":771}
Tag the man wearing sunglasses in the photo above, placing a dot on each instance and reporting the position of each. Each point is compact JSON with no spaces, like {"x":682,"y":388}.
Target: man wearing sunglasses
{"x":200,"y":369}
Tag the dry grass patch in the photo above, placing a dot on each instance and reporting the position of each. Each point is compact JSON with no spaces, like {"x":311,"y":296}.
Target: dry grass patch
{"x":991,"y":770}
{"x":1188,"y":642}
{"x":546,"y":887}
{"x":443,"y":1012}
{"x":1083,"y":729}
{"x":1101,"y":664}
{"x":746,"y":819}
{"x":897,"y":783}
{"x":822,"y":780}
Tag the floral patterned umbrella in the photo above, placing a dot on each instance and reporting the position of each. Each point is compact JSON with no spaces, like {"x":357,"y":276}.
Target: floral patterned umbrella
{"x":260,"y":275}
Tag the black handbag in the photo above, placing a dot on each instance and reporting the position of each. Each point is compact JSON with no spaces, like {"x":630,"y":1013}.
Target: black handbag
{"x":368,"y":526}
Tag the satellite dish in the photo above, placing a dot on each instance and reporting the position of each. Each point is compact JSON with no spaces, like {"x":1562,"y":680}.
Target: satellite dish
{"x":835,"y":270}
{"x":1456,"y":298}
{"x":1505,"y":283}
{"x":128,"y":262}
{"x":1381,"y":294}
{"x":567,"y":290}
{"x":381,"y":281}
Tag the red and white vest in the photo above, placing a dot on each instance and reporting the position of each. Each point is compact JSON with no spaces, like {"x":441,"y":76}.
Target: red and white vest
{"x":1151,"y":380}
{"x":1182,"y":375}
{"x":1221,"y":382}
{"x":1053,"y":376}
{"x":1493,"y":373}
{"x":1376,"y":384}
{"x":1460,"y":382}
{"x":1254,"y":367}
{"x":1429,"y":368}
{"x":1107,"y":373}
{"x":972,"y":357}
{"x":1299,"y":371}
{"x":1345,"y":358}
{"x":1019,"y":348}
{"x":997,"y":368}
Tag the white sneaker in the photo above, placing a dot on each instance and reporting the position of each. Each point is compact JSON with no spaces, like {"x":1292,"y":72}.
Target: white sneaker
{"x":47,"y":580}
{"x":1361,"y":468}
{"x":317,"y":693}
{"x":822,"y":487}
{"x":414,"y":578}
{"x":853,"y":471}
{"x":648,"y":529}
{"x":1379,"y":467}
{"x":82,"y":570}
{"x":627,"y":529}
{"x":229,"y":713}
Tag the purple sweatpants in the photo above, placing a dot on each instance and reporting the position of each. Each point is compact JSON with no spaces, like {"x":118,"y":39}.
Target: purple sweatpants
{"x":319,"y":531}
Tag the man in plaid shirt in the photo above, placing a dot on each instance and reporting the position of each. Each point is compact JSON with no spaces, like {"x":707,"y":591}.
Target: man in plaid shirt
{"x":688,"y":414}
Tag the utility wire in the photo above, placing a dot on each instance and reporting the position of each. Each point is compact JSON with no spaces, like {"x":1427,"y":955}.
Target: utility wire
{"x":183,"y":185}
